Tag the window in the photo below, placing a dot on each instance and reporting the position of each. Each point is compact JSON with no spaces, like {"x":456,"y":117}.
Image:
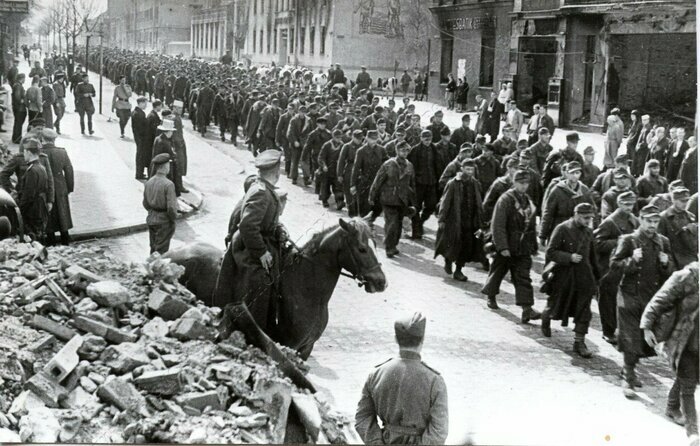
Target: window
{"x":488,"y":44}
{"x":269,"y":40}
{"x":291,"y":40}
{"x":446,"y":59}
{"x":274,"y":43}
{"x":312,"y":40}
{"x":261,"y":40}
{"x":302,"y":38}
{"x":323,"y":40}
{"x":254,"y":36}
{"x":255,"y":6}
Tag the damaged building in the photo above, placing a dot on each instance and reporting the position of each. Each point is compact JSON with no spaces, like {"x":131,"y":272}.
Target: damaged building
{"x":582,"y":57}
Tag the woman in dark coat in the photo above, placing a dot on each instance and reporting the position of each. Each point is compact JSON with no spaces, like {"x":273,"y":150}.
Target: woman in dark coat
{"x":62,"y":170}
{"x":574,"y":277}
{"x":462,"y":93}
{"x":460,"y":217}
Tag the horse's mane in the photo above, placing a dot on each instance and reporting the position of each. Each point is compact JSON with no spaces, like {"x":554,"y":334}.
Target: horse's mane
{"x":312,"y":246}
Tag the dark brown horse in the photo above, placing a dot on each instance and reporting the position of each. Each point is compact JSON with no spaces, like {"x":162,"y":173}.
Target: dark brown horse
{"x":308,"y":278}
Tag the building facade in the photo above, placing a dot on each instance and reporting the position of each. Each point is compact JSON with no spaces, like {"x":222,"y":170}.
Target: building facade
{"x":217,"y":29}
{"x":582,"y":57}
{"x":383,"y":35}
{"x":149,"y":25}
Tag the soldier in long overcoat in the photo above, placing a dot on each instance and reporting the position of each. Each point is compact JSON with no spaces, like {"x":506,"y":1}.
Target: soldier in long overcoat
{"x":205,"y":100}
{"x":680,"y":227}
{"x":644,"y":261}
{"x":346,"y":162}
{"x":574,"y":278}
{"x":60,"y":219}
{"x":459,"y":218}
{"x":368,"y":159}
{"x":179,"y":144}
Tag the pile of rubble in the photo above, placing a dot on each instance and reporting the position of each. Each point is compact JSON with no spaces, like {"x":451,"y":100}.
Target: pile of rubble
{"x":95,"y":350}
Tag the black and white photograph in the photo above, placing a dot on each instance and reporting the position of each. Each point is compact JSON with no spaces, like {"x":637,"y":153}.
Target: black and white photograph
{"x":468,"y":222}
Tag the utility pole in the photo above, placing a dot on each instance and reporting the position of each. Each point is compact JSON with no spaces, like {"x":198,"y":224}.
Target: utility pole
{"x":427,"y":72}
{"x":101,"y":34}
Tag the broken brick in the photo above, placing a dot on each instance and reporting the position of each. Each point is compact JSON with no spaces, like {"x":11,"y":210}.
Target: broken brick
{"x":201,"y":400}
{"x":125,"y":357}
{"x":103,"y":330}
{"x":60,"y":331}
{"x":121,"y":394}
{"x":92,"y":347}
{"x":167,"y":306}
{"x":162,"y":382}
{"x":48,"y":390}
{"x":75,"y":270}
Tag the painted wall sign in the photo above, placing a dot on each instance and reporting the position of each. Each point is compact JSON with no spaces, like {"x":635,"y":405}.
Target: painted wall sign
{"x":465,"y":23}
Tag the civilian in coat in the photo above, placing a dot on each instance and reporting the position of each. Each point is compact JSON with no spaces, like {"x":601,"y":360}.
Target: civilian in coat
{"x":642,"y":149}
{"x":514,"y":118}
{"x":613,"y":138}
{"x":617,"y":224}
{"x":643,"y":259}
{"x":60,"y":219}
{"x":139,"y":127}
{"x":34,"y":100}
{"x":677,"y":298}
{"x":33,"y":192}
{"x":19,"y":108}
{"x":153,"y":120}
{"x":574,"y":277}
{"x":676,"y":154}
{"x":179,"y":145}
{"x":464,"y":133}
{"x":459,"y":218}
{"x":680,"y":227}
{"x":164,"y":144}
{"x":394,"y":188}
{"x":48,"y":97}
{"x":368,"y":159}
{"x":491,"y":123}
{"x":633,"y":135}
{"x":659,"y":147}
{"x":689,"y":167}
{"x":514,"y":242}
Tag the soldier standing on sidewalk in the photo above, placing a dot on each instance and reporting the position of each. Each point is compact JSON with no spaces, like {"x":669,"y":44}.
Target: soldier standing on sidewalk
{"x":644,"y":262}
{"x":574,"y":277}
{"x":84,"y":92}
{"x":160,"y":201}
{"x":409,"y":397}
{"x":121,"y":103}
{"x":59,"y":105}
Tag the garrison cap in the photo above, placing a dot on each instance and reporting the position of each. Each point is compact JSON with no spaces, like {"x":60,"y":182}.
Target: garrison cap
{"x":584,"y":208}
{"x":426,"y":133}
{"x":321,"y":120}
{"x":526,"y":154}
{"x":358,"y":133}
{"x":653,"y":163}
{"x":466,"y":117}
{"x":572,"y":137}
{"x":543,"y":131}
{"x":512,"y":163}
{"x":622,"y":158}
{"x":337,"y":132}
{"x":588,"y":150}
{"x":628,"y":197}
{"x":161,"y":158}
{"x":466,"y":146}
{"x":268,"y":159}
{"x":480,"y":139}
{"x":468,"y":162}
{"x":37,"y":122}
{"x":373,"y":134}
{"x":507,"y":128}
{"x":381,"y":121}
{"x":649,"y":211}
{"x":413,"y":326}
{"x":31,"y":143}
{"x":675,"y":184}
{"x":439,"y":113}
{"x":680,"y":194}
{"x":445,"y":131}
{"x":488,"y":146}
{"x":521,"y":176}
{"x":573,"y":166}
{"x":400,"y":129}
{"x":620,"y":172}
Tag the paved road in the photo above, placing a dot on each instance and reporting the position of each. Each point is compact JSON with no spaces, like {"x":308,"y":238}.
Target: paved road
{"x":507,"y":384}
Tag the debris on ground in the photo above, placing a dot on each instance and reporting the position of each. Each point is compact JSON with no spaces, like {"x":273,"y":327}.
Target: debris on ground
{"x":96,"y":350}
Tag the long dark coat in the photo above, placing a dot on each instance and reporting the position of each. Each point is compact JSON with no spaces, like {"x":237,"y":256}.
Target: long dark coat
{"x":559,"y":205}
{"x":689,"y":170}
{"x":681,"y":230}
{"x":640,"y":281}
{"x":450,"y":236}
{"x":62,"y":169}
{"x":179,"y":146}
{"x":573,"y":284}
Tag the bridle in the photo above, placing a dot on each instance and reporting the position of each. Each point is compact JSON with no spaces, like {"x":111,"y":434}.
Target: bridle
{"x":359,"y":276}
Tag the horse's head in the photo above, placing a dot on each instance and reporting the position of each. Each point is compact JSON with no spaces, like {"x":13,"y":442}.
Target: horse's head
{"x":359,"y":255}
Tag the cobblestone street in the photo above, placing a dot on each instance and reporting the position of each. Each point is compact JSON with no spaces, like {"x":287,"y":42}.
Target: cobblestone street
{"x":507,"y":384}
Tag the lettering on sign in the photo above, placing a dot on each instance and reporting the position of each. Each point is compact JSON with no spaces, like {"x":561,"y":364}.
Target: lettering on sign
{"x":463,"y":23}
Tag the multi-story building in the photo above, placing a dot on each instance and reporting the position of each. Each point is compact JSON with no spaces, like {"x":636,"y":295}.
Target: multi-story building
{"x":383,"y":35}
{"x":582,"y":57}
{"x":216,"y":28}
{"x":149,"y":25}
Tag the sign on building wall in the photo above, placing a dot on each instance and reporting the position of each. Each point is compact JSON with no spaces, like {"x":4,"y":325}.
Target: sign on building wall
{"x":467,"y":23}
{"x":21,"y":6}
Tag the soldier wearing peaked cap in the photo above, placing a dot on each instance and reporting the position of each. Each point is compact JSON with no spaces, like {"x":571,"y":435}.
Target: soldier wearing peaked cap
{"x":681,"y":229}
{"x":407,"y":396}
{"x":251,"y":266}
{"x":160,"y":200}
{"x":621,"y":222}
{"x":643,"y":260}
{"x":571,"y":275}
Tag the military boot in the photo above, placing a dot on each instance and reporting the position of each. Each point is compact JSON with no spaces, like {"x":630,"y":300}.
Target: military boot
{"x":529,"y":314}
{"x":492,"y":304}
{"x":628,"y":382}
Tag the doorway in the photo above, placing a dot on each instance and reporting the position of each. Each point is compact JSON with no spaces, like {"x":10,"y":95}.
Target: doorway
{"x":536,"y":64}
{"x":282,"y":49}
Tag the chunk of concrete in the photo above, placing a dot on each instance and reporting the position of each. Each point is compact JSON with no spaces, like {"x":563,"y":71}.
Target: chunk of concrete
{"x":60,"y":331}
{"x":39,"y":426}
{"x":124,"y":357}
{"x":8,"y":436}
{"x":191,"y":329}
{"x":108,"y":293}
{"x":65,"y":360}
{"x":155,"y":328}
{"x":88,"y":384}
{"x":98,"y":328}
{"x":162,"y":382}
{"x":92,"y":347}
{"x":75,"y":270}
{"x":167,"y":306}
{"x":201,"y":400}
{"x":121,"y":394}
{"x":47,"y":389}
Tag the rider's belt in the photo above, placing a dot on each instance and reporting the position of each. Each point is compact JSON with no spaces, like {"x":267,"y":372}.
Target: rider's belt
{"x":402,"y":430}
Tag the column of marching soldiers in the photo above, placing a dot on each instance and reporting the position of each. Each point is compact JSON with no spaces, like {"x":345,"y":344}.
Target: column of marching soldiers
{"x":616,"y":235}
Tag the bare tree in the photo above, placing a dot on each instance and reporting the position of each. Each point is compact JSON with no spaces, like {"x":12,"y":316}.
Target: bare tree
{"x":417,"y":30}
